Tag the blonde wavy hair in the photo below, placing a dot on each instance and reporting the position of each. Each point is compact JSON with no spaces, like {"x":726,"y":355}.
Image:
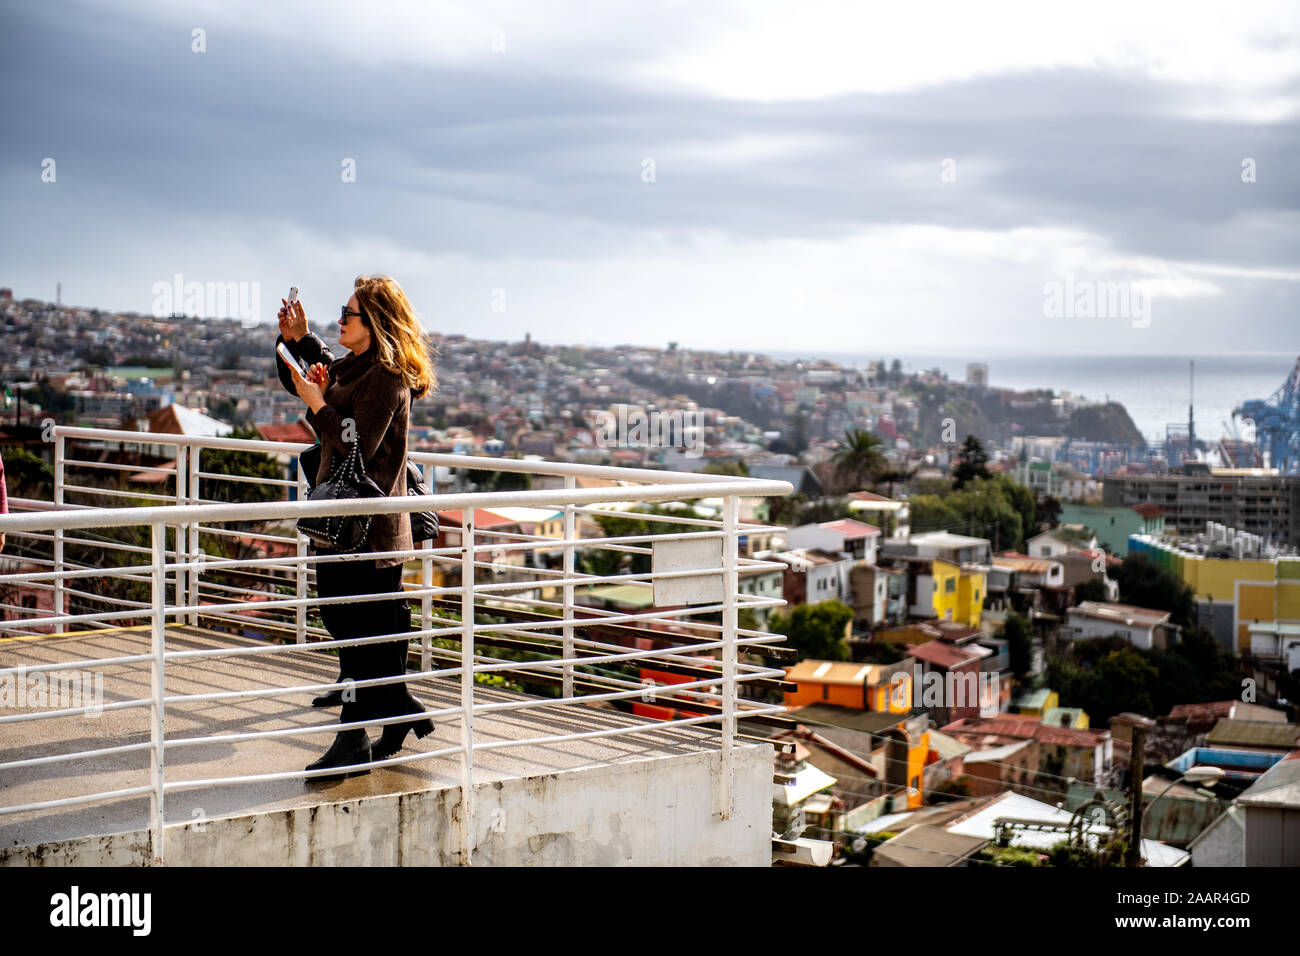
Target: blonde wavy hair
{"x":400,"y":342}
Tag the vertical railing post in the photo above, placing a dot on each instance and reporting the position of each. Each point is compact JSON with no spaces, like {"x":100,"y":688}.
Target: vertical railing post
{"x":300,"y":570}
{"x":426,"y":582}
{"x":467,"y":688}
{"x":569,"y":524}
{"x":180,"y":534}
{"x":730,"y":581}
{"x":60,"y":604}
{"x":158,"y":686}
{"x":193,"y":496}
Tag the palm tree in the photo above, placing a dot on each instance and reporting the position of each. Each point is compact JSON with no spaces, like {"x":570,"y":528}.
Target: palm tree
{"x":860,"y":459}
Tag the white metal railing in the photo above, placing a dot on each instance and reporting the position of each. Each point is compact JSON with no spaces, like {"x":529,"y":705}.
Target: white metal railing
{"x":537,"y":604}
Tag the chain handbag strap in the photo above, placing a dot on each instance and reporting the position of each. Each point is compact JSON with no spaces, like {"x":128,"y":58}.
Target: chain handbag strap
{"x":350,"y":471}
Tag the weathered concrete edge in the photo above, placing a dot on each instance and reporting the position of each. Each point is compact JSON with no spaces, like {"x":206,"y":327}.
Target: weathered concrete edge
{"x":656,"y":811}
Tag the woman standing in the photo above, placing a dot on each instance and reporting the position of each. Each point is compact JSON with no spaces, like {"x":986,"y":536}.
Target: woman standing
{"x":366,"y":397}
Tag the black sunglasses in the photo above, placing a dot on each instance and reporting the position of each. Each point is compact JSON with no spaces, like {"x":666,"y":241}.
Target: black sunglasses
{"x":345,"y":312}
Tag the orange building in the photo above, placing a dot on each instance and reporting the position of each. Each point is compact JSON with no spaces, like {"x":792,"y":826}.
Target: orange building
{"x":882,"y":688}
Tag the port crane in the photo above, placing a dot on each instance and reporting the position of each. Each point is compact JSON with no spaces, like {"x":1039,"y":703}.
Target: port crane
{"x":1277,"y":423}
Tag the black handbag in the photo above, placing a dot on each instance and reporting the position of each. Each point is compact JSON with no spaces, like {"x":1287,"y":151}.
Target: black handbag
{"x":424,"y":524}
{"x":347,"y":480}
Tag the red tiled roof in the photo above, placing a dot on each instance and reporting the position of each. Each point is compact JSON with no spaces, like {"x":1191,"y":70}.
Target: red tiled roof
{"x":1000,"y":726}
{"x":852,"y":529}
{"x":1149,"y":509}
{"x":482,"y":519}
{"x":1218,"y":708}
{"x":288,"y":432}
{"x":941,"y":653}
{"x":869,"y":496}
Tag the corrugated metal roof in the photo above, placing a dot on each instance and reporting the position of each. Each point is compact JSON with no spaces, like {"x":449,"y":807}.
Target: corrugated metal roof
{"x":1126,"y":614}
{"x":927,"y":845}
{"x":1001,"y":727}
{"x":866,"y":721}
{"x":1278,"y":787}
{"x":806,"y":782}
{"x":1030,"y":565}
{"x":1254,"y":733}
{"x":835,"y":672}
{"x":996,"y":753}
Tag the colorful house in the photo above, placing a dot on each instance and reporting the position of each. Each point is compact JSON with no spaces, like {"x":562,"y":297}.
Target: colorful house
{"x":959,"y":592}
{"x":877,"y":687}
{"x":1231,"y":593}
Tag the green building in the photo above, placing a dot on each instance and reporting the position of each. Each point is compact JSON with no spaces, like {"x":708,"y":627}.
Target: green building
{"x":1113,"y":525}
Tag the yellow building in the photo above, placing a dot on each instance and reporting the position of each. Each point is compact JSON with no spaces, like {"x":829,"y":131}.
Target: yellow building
{"x":959,"y":592}
{"x":1255,"y":589}
{"x":1037,"y":703}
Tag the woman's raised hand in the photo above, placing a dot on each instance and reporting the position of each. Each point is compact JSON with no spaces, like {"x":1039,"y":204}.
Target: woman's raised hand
{"x":293,"y":320}
{"x":320,"y":375}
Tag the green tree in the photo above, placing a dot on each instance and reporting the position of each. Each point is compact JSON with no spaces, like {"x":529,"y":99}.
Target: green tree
{"x":27,"y":475}
{"x":816,"y":630}
{"x":972,"y":462}
{"x":737,"y":468}
{"x":859,"y":459}
{"x":786,"y":511}
{"x":1148,"y":585}
{"x":1025,"y":504}
{"x":983,"y":508}
{"x":252,"y":464}
{"x":1121,"y":680}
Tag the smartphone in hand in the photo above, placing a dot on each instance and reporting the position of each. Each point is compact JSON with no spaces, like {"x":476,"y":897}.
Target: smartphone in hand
{"x":283,"y":351}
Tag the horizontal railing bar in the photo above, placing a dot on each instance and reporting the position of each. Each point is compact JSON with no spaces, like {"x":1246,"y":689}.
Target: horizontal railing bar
{"x":74,"y":801}
{"x":255,"y":511}
{"x":114,"y":493}
{"x":117,"y":466}
{"x":34,"y":576}
{"x":78,"y":755}
{"x":249,"y":479}
{"x":235,"y":533}
{"x":458,"y":462}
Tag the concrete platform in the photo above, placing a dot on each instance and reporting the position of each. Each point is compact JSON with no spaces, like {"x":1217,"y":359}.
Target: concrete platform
{"x":401,"y":814}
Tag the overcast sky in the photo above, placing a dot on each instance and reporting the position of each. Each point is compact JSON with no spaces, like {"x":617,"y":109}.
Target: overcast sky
{"x":801,"y":194}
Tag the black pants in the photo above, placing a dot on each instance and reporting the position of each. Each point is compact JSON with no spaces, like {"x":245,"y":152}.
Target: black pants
{"x":363,"y":619}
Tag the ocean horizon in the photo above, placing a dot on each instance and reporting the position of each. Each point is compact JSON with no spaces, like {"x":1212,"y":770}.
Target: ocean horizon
{"x":1155,"y":389}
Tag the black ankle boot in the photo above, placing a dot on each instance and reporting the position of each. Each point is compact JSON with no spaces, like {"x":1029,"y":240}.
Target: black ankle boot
{"x":349,"y":747}
{"x":332,"y":699}
{"x":395,"y":734}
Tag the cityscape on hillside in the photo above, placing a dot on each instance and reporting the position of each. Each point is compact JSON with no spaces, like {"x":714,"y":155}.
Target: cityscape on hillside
{"x":92,"y":367}
{"x":936,"y":532}
{"x":705,"y":437}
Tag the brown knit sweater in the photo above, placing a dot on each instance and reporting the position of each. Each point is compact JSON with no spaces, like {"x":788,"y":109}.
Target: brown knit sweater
{"x":379,"y":404}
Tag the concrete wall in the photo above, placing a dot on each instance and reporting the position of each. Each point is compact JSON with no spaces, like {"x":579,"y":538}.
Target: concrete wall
{"x":659,"y":811}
